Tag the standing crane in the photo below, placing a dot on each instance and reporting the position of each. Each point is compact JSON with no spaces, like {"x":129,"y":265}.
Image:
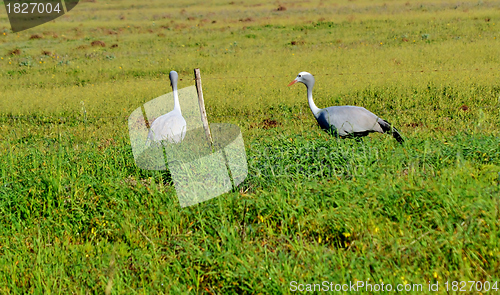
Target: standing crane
{"x":171,"y":126}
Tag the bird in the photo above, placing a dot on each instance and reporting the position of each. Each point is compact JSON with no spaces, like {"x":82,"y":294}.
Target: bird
{"x":170,"y":127}
{"x":345,"y":121}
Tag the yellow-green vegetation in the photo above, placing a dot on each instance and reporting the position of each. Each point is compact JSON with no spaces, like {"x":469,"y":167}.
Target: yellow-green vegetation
{"x":77,"y":215}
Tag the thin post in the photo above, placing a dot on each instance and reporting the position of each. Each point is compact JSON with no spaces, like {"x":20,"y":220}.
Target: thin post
{"x":201,"y":102}
{"x":204,"y":119}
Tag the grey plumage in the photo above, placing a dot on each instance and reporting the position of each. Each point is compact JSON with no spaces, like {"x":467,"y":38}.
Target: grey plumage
{"x":345,"y":121}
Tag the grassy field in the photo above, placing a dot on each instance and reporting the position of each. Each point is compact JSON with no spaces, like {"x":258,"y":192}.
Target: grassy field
{"x":77,"y":215}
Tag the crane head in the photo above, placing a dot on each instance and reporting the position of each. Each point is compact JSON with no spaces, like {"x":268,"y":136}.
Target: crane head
{"x":173,"y":78}
{"x":305,"y":78}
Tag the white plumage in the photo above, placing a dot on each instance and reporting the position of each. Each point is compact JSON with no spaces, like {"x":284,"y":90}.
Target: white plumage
{"x":170,"y":127}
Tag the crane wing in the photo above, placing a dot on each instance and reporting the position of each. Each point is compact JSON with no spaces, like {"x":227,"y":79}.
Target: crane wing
{"x":349,"y":120}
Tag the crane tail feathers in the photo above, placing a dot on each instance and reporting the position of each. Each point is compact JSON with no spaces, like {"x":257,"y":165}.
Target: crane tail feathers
{"x":388,"y":128}
{"x":397,"y":135}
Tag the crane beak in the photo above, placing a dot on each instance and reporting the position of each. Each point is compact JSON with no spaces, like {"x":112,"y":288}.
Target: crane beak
{"x":293,"y":82}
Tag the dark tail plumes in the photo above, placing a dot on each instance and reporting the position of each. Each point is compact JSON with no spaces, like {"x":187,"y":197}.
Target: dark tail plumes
{"x":396,"y":135}
{"x":388,"y":128}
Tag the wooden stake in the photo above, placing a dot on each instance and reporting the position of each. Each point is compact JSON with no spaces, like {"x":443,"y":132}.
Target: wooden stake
{"x":201,"y":102}
{"x":204,"y":119}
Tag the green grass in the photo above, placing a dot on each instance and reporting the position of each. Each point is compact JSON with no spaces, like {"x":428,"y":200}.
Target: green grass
{"x":78,"y":216}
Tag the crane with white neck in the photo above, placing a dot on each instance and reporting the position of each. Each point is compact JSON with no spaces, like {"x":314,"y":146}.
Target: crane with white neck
{"x":345,"y":121}
{"x":170,"y":127}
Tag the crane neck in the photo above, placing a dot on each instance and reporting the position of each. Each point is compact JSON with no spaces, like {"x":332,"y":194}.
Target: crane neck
{"x":315,"y":110}
{"x":177,"y":105}
{"x":173,"y":83}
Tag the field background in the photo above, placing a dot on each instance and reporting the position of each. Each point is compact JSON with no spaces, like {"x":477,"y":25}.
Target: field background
{"x":77,"y":216}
